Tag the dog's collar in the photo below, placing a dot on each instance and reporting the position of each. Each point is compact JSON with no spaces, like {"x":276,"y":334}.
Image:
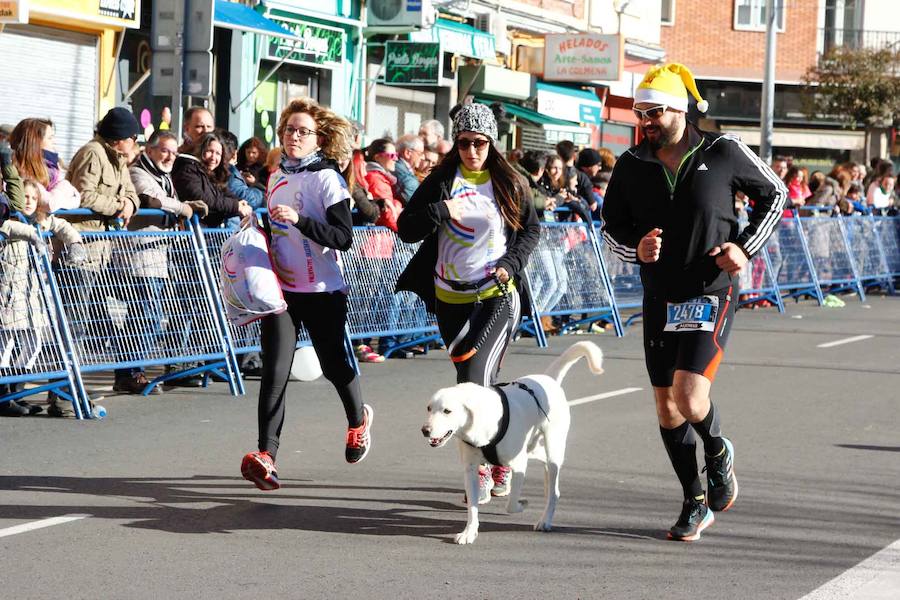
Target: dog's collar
{"x":490,"y":449}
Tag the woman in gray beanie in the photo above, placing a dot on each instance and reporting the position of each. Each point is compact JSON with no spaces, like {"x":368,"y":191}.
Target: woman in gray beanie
{"x":475,"y":215}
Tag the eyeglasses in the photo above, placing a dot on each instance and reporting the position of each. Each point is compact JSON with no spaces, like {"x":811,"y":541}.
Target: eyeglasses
{"x":389,"y":155}
{"x":654,"y":112}
{"x":464,"y":144}
{"x":302,"y":131}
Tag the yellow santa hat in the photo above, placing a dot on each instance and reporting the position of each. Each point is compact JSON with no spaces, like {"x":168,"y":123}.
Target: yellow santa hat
{"x":669,"y":85}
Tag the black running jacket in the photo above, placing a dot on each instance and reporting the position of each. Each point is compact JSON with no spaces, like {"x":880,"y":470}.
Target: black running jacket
{"x":694,"y":208}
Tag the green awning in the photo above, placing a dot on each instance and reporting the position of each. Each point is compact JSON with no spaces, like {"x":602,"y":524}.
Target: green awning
{"x":570,"y":103}
{"x":579,"y":93}
{"x":526,"y":114}
{"x":458,"y":38}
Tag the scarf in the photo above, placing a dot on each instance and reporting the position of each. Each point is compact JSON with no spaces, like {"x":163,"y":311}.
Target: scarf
{"x":161,"y":177}
{"x":51,"y":160}
{"x":298,"y":165}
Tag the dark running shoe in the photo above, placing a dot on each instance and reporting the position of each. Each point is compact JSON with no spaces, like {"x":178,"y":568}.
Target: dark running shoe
{"x":722,"y":486}
{"x":359,"y":439}
{"x":695,"y":517}
{"x":259,"y":468}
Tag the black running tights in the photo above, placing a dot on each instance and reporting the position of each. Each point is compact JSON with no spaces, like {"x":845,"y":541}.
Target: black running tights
{"x":324,"y":316}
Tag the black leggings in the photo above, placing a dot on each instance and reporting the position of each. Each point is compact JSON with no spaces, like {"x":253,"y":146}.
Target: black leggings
{"x":324,"y":316}
{"x":477,"y":335}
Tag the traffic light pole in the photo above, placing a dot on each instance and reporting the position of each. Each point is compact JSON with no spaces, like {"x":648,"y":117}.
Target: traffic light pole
{"x":178,"y":80}
{"x":767,"y":118}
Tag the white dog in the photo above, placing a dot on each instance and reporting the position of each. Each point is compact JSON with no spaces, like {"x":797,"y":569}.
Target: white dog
{"x":537,"y":414}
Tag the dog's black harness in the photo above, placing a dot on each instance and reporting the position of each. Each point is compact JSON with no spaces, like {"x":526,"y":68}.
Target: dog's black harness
{"x":490,"y":450}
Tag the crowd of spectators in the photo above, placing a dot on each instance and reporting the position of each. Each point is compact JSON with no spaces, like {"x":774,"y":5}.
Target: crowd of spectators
{"x":214,"y":176}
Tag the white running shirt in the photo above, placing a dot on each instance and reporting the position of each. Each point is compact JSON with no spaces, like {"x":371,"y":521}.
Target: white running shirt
{"x":301,"y":264}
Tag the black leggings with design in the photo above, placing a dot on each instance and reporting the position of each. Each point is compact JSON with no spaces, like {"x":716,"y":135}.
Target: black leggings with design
{"x":324,"y":316}
{"x":477,"y":335}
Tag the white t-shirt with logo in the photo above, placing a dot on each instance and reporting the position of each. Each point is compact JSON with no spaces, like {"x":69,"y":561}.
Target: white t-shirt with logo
{"x":469,"y":248}
{"x":301,"y":264}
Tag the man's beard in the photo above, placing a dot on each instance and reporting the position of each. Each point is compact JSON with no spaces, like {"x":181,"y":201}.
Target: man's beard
{"x":664,"y":138}
{"x":164,"y":168}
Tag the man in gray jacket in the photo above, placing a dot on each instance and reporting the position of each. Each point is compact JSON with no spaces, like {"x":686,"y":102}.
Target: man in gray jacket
{"x":151,"y":175}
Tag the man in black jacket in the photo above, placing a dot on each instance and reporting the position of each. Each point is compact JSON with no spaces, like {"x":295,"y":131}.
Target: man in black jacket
{"x":669,"y":207}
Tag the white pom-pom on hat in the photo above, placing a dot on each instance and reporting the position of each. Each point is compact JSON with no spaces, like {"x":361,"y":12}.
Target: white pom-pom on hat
{"x":703,"y":106}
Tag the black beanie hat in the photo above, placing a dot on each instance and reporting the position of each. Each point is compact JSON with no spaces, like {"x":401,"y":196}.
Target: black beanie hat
{"x":118,"y":124}
{"x":588,"y":158}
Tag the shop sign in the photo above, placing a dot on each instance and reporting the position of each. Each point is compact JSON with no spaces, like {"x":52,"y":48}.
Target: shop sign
{"x":568,"y":107}
{"x":13,"y":11}
{"x":582,"y":57}
{"x":125,"y":13}
{"x":458,"y":39}
{"x":317,"y":46}
{"x":412,"y":63}
{"x":117,"y":9}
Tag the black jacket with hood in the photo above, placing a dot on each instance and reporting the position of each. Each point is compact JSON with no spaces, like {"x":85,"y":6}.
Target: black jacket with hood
{"x":422,"y":218}
{"x":694,"y":209}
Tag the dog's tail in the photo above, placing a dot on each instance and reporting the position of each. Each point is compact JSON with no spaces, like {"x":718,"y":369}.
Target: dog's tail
{"x":589,"y":350}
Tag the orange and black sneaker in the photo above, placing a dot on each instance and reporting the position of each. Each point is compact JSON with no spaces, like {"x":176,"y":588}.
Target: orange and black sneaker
{"x":359,"y":439}
{"x":259,"y":467}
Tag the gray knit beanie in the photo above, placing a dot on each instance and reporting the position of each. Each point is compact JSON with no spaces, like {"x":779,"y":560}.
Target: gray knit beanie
{"x":477,"y":118}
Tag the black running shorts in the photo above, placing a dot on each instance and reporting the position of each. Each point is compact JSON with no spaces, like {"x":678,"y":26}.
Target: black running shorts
{"x":695,"y":351}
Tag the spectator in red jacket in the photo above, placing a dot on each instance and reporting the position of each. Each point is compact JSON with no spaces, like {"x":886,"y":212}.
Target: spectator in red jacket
{"x":382,"y":159}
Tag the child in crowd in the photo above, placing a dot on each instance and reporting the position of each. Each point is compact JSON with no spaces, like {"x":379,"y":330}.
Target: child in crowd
{"x":23,"y":322}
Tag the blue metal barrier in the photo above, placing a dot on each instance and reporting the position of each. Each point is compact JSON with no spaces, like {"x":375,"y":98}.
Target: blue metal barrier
{"x":888,"y":229}
{"x":371,"y":267}
{"x":757,"y":280}
{"x":144,"y":298}
{"x":830,"y":254}
{"x":33,"y":346}
{"x":867,"y":252}
{"x":792,"y":265}
{"x":567,"y":276}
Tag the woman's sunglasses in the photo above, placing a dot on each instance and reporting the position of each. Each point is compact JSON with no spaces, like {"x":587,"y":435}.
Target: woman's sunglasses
{"x":463,"y":144}
{"x":654,"y":112}
{"x":389,"y":155}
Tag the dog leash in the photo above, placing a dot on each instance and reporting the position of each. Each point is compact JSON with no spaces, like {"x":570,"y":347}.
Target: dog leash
{"x":531,"y":393}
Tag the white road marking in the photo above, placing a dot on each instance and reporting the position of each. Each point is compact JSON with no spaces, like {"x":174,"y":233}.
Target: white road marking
{"x":849,"y":340}
{"x":587,"y":399}
{"x":25,"y":527}
{"x":876,"y":578}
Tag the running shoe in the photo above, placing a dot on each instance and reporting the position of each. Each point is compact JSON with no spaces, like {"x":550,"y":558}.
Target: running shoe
{"x":695,"y":517}
{"x":501,"y":477}
{"x":359,"y":439}
{"x":259,"y":467}
{"x":722,"y":486}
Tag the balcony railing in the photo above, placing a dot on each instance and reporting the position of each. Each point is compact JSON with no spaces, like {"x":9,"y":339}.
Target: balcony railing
{"x":856,"y":38}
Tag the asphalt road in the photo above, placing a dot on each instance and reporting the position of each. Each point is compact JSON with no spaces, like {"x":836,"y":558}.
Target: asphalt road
{"x":817,"y":439}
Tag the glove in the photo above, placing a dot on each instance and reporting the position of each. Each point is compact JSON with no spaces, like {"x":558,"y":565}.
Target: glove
{"x":76,"y":254}
{"x":6,"y":154}
{"x":39,"y":244}
{"x":199,"y":207}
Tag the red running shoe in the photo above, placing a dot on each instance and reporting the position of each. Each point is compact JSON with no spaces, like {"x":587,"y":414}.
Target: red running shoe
{"x":359,"y":439}
{"x":259,"y":467}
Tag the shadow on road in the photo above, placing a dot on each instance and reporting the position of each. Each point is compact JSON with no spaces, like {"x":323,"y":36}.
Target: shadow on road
{"x":867,"y":447}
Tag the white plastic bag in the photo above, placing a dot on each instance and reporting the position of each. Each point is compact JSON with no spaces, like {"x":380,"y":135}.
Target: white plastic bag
{"x":248,"y":284}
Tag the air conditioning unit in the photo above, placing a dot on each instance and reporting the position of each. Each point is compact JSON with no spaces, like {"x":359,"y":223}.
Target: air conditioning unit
{"x":494,"y":23}
{"x":397,"y":16}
